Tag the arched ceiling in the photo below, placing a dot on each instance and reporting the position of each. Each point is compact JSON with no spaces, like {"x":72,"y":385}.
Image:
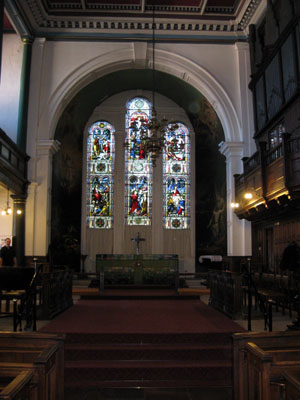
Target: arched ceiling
{"x":183,"y":94}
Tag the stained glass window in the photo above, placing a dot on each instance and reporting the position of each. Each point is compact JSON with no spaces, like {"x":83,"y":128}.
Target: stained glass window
{"x":138,"y":168}
{"x":100,"y":163}
{"x":176,"y":179}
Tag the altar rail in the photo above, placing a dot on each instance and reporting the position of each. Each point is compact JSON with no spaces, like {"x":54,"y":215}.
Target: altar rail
{"x":136,"y":270}
{"x":54,"y":293}
{"x":226,"y":292}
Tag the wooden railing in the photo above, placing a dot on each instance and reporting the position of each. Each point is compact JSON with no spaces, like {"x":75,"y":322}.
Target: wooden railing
{"x":251,"y":163}
{"x":260,"y":363}
{"x":226,"y":292}
{"x":54,"y":293}
{"x":13,"y":164}
{"x":273,"y":154}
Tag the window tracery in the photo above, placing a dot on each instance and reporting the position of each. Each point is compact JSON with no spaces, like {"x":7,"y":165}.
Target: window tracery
{"x":100,"y":164}
{"x":176,"y":179}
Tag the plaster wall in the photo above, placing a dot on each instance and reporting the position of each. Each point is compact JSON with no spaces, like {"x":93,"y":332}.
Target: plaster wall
{"x":68,"y":66}
{"x":61,"y":69}
{"x":12,"y":52}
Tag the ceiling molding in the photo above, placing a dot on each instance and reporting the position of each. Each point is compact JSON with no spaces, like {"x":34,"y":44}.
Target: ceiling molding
{"x":98,"y":21}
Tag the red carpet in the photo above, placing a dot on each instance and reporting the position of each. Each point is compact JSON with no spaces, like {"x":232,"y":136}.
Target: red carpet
{"x":162,"y":343}
{"x":141,"y":316}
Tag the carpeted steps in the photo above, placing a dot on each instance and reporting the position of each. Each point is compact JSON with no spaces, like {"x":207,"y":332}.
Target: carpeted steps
{"x":161,"y":360}
{"x":146,"y":352}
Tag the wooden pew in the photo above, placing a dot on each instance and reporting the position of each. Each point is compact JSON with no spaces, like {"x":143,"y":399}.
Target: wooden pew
{"x":266,"y":340}
{"x":43,"y":353}
{"x":17,"y":383}
{"x":266,"y":368}
{"x":292,"y":383}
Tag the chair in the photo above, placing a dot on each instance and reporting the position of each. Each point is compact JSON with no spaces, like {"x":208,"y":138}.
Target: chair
{"x":18,"y":284}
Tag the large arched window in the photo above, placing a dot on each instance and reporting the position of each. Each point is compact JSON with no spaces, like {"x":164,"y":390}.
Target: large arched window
{"x":138,"y":168}
{"x":100,"y":163}
{"x":176,"y":178}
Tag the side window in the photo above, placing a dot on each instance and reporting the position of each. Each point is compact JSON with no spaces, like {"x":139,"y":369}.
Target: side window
{"x":100,"y":164}
{"x":176,"y":179}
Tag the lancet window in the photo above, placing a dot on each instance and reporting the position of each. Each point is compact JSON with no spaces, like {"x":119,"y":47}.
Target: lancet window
{"x":176,"y":179}
{"x":138,"y":168}
{"x":100,"y":168}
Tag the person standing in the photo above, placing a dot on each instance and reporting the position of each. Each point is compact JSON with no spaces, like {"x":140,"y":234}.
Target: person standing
{"x":8,"y":255}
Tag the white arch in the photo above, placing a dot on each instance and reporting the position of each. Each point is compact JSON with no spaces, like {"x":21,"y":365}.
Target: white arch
{"x":166,"y":61}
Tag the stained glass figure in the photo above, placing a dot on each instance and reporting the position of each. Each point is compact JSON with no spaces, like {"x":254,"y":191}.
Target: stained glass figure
{"x":176,"y":179}
{"x":138,"y":169}
{"x":100,"y":162}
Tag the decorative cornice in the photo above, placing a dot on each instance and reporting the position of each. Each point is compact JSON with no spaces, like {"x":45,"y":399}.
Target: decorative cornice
{"x":186,"y":23}
{"x":252,"y":7}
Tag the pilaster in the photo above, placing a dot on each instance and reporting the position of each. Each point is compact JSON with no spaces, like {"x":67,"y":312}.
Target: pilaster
{"x":238,"y":231}
{"x":40,"y":200}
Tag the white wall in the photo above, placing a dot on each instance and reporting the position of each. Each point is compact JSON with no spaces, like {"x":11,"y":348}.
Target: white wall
{"x":61,"y":69}
{"x":12,"y":53}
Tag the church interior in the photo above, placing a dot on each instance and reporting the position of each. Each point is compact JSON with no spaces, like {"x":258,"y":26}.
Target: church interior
{"x":150,"y":199}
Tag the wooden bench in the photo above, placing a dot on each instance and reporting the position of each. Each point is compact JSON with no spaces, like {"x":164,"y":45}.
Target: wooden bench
{"x":266,"y":340}
{"x":17,"y":383}
{"x":292,"y":383}
{"x":277,"y":288}
{"x":43,"y":353}
{"x":265,"y":370}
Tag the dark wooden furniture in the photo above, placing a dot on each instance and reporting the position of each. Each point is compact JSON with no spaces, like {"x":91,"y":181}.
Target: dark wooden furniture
{"x":41,"y":353}
{"x":137,"y":269}
{"x":17,"y":383}
{"x":292,"y":383}
{"x":54,"y":292}
{"x":287,"y":340}
{"x":18,"y":284}
{"x":265,"y":368}
{"x":279,"y":289}
{"x":226,"y":293}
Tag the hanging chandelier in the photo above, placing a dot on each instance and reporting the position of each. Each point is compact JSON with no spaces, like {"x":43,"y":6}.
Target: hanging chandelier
{"x":151,"y":134}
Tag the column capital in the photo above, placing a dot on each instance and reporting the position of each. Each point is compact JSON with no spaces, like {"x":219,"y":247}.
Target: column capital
{"x":242,"y":46}
{"x":19,"y":199}
{"x":231,"y":149}
{"x":47,"y":147}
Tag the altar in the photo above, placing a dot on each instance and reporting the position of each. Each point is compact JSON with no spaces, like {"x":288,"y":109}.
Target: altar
{"x":137,"y":270}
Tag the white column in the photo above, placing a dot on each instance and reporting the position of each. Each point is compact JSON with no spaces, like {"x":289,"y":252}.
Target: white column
{"x":40,"y":201}
{"x":238,"y":231}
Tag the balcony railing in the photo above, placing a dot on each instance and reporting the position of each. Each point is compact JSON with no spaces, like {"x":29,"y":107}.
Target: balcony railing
{"x":274,"y":154}
{"x":13,"y":164}
{"x":251,"y":162}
